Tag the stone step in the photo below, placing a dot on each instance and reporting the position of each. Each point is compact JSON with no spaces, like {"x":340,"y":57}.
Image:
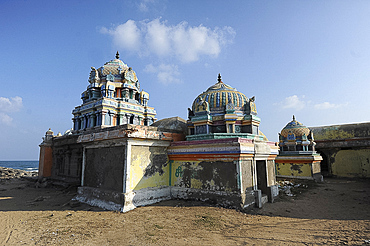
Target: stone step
{"x":264,"y":199}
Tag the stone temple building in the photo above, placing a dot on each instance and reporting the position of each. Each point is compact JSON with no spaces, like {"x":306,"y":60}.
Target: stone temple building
{"x":121,"y":159}
{"x":226,"y":158}
{"x":112,"y":98}
{"x":297,"y":157}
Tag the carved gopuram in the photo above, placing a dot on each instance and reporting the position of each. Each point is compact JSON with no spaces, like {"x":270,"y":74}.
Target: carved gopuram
{"x":112,"y":98}
{"x":297,"y":157}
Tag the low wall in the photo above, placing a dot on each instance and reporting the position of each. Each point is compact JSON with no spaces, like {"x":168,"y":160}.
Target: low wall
{"x":345,"y":149}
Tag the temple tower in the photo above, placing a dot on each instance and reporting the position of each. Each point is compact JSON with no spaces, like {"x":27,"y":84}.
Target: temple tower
{"x":113,"y":97}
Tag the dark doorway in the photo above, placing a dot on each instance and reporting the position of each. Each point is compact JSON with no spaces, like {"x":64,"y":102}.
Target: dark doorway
{"x":262,"y":176}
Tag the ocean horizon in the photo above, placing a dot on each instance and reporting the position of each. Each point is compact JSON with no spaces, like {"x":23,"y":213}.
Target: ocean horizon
{"x":31,"y":166}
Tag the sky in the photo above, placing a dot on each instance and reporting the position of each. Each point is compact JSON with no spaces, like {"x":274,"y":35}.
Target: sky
{"x":310,"y":59}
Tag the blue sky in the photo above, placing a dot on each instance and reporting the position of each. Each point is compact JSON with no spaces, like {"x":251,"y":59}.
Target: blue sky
{"x":307,"y":58}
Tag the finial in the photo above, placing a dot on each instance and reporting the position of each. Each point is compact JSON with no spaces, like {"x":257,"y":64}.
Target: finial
{"x":117,"y":55}
{"x":219,"y":78}
{"x":293,"y":117}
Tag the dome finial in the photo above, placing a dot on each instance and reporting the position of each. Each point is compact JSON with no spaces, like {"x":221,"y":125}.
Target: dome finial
{"x":293,"y":117}
{"x":219,"y":78}
{"x":117,"y":55}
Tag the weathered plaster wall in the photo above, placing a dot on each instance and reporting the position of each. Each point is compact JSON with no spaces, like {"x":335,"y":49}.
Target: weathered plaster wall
{"x":351,"y":163}
{"x":149,"y":167}
{"x":345,"y":149}
{"x":246,"y":169}
{"x":209,"y":175}
{"x":213,"y":181}
{"x":360,"y":130}
{"x":104,"y":168}
{"x":293,"y":169}
{"x":271,"y":180}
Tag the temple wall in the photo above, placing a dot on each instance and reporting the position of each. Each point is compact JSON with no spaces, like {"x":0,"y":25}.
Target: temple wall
{"x":271,"y":180}
{"x":212,"y":181}
{"x":104,"y":168}
{"x":301,"y":170}
{"x":345,"y":149}
{"x":149,"y":167}
{"x":350,"y":163}
{"x":246,"y":170}
{"x":45,"y":160}
{"x":210,"y":175}
{"x":67,"y":159}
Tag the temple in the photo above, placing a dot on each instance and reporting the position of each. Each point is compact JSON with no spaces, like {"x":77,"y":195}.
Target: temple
{"x":297,"y":157}
{"x":226,"y":158}
{"x":222,"y":112}
{"x":112,"y":98}
{"x":122,"y":158}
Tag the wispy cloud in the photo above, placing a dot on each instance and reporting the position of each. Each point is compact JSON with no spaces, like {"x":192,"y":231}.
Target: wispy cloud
{"x":294,"y":102}
{"x":166,"y":73}
{"x":157,"y":37}
{"x":145,"y":4}
{"x":7,"y":106}
{"x":325,"y":105}
{"x":301,"y":102}
{"x":5,"y":119}
{"x":328,"y":105}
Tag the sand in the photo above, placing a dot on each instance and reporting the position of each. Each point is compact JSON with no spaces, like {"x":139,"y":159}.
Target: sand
{"x":336,"y":212}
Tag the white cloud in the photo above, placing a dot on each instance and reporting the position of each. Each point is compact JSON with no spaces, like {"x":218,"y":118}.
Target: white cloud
{"x":186,"y":43}
{"x":294,"y":102}
{"x":325,"y":105}
{"x":5,"y":119}
{"x":8,"y":106}
{"x":157,"y":37}
{"x":166,"y":73}
{"x":328,"y":105}
{"x":300,"y":102}
{"x":126,"y":35}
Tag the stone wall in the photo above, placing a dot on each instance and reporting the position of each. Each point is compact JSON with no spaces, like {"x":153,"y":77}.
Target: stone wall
{"x":345,"y":149}
{"x":67,"y":159}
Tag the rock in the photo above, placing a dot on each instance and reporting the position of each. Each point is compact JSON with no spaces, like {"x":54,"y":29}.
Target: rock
{"x":39,"y":199}
{"x":74,"y":203}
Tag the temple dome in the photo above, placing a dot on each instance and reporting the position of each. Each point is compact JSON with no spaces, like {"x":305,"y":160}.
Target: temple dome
{"x":115,"y":66}
{"x":219,"y":95}
{"x":295,"y":127}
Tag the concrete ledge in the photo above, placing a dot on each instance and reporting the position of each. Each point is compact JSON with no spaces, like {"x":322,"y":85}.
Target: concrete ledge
{"x":105,"y":199}
{"x":222,"y":198}
{"x":145,"y":197}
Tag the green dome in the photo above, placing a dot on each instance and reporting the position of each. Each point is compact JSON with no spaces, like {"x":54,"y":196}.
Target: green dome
{"x":219,"y":95}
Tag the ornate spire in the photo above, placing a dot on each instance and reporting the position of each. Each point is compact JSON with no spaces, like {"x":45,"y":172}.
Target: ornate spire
{"x":117,"y":55}
{"x":219,"y":78}
{"x":293,"y":117}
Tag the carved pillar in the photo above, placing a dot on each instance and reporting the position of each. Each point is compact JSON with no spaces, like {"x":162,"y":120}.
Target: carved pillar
{"x":92,"y":120}
{"x":103,"y":115}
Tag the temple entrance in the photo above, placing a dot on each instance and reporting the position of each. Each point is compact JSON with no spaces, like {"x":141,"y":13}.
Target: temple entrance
{"x":262,"y":176}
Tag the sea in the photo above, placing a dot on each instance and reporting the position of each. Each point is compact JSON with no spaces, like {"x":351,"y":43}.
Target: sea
{"x":22,"y":165}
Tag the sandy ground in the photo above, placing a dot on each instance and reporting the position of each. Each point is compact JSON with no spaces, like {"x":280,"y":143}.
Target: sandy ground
{"x":336,"y":212}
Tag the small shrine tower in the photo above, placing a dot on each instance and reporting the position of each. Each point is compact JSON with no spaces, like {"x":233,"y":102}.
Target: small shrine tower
{"x":297,"y":157}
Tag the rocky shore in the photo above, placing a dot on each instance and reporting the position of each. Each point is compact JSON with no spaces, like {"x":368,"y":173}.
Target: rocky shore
{"x":10,"y":173}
